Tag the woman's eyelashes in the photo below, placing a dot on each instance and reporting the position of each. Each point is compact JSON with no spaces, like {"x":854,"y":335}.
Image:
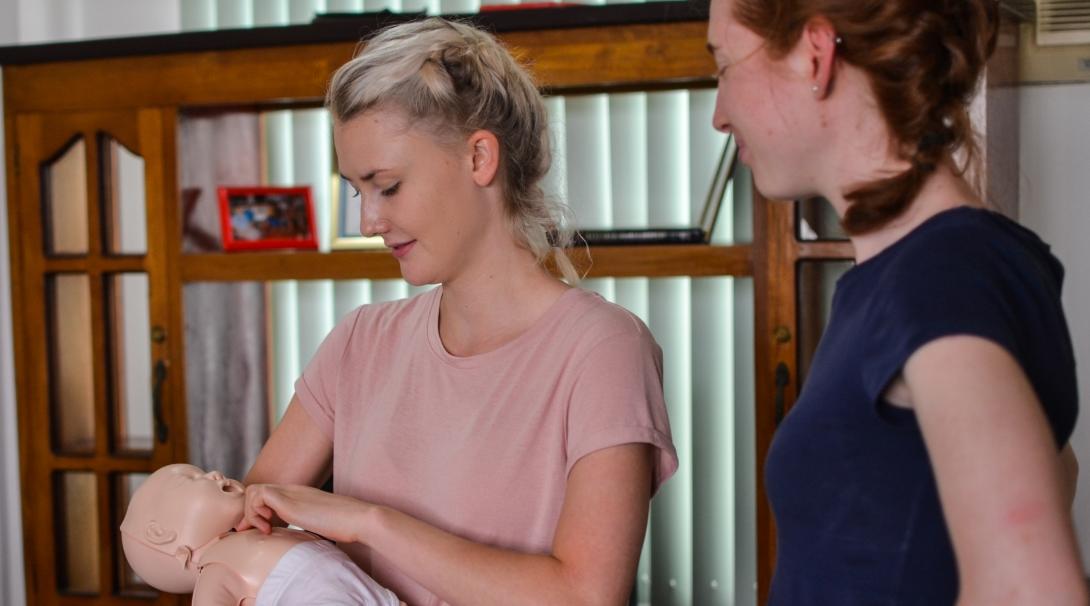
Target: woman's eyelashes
{"x":355,"y":192}
{"x":389,"y":191}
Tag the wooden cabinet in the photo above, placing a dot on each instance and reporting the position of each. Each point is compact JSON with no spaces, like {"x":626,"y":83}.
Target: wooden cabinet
{"x":103,"y":97}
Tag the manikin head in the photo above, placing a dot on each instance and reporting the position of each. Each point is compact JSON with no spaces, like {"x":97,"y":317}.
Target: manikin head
{"x":176,"y":512}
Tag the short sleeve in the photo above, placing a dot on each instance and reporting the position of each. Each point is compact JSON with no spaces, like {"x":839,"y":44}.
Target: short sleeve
{"x":618,"y":399}
{"x":316,"y":389}
{"x":945,"y":293}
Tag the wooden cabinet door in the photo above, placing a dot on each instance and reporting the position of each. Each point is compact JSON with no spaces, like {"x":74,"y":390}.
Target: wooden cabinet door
{"x":99,"y":399}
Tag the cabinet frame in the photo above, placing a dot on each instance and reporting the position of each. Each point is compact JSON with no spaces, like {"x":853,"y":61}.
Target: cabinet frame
{"x":156,"y":86}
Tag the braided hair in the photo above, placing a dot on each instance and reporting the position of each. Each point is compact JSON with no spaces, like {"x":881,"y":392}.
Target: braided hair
{"x":923,"y":59}
{"x":453,"y":79}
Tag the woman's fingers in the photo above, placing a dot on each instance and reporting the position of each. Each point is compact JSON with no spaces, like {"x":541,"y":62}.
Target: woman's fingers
{"x":258,"y":513}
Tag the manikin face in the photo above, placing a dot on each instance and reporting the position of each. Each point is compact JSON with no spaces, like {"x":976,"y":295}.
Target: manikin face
{"x":416,"y":193}
{"x":186,"y":504}
{"x":767,"y":103}
{"x":177,"y":510}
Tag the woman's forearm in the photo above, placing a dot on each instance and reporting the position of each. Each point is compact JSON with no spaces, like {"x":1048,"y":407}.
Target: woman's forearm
{"x":592,"y":560}
{"x":463,"y":572}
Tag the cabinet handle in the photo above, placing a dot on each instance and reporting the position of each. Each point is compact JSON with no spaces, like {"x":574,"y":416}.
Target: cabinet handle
{"x":161,"y":430}
{"x":783,"y":378}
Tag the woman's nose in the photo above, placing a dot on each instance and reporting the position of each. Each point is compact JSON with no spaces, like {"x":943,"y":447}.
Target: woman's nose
{"x":371,"y":221}
{"x":720,"y":122}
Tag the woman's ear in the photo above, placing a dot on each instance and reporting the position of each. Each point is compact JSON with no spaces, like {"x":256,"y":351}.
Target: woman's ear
{"x":484,"y":150}
{"x":818,"y":45}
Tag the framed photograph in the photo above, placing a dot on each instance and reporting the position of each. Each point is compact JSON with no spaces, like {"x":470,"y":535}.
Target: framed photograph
{"x":346,"y":219}
{"x":257,"y":218}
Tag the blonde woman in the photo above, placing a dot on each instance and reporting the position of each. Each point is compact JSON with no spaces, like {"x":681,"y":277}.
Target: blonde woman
{"x":497,"y":439}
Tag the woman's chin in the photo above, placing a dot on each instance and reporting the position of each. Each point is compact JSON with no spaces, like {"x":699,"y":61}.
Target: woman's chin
{"x":416,"y":279}
{"x":772,"y":189}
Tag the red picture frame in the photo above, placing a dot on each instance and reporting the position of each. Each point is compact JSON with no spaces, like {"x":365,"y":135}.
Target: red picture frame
{"x":262,"y":218}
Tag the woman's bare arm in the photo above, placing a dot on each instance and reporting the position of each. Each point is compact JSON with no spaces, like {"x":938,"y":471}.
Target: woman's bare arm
{"x":998,"y":473}
{"x":593,"y":560}
{"x":1070,"y":466}
{"x":297,"y":452}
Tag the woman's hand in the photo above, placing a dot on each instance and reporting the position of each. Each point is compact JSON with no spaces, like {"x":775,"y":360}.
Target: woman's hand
{"x":333,"y":516}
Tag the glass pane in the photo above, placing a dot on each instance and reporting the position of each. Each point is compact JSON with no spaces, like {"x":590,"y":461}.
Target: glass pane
{"x":64,"y":193}
{"x":72,"y":371}
{"x":131,"y":344}
{"x":128,"y":582}
{"x":123,"y":183}
{"x":76,"y":509}
{"x":817,"y":282}
{"x":818,"y":221}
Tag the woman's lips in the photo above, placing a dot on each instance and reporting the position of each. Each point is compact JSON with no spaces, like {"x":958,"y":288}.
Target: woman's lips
{"x":743,"y":154}
{"x":400,"y":250}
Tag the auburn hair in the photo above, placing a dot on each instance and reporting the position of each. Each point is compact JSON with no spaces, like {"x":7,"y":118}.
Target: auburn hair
{"x":923,"y":59}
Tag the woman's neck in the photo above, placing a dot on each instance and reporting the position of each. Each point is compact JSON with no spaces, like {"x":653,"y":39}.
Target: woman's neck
{"x":943,"y":190}
{"x":485,"y":308}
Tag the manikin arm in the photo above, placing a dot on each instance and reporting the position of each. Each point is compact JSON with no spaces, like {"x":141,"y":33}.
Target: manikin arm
{"x":218,"y":585}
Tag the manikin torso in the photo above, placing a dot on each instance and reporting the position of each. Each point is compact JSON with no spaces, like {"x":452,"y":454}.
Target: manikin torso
{"x":233,"y":568}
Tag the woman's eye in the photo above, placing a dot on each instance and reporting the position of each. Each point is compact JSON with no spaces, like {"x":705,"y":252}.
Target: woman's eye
{"x":355,"y":193}
{"x":389,"y":191}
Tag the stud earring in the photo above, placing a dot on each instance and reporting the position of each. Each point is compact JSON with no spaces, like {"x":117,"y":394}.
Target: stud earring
{"x":839,"y":40}
{"x":814,"y":89}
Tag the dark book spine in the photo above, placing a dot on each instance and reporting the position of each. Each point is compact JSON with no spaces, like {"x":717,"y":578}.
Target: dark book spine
{"x":606,"y":237}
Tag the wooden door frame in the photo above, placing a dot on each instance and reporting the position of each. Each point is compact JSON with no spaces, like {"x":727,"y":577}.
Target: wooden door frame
{"x":31,"y":137}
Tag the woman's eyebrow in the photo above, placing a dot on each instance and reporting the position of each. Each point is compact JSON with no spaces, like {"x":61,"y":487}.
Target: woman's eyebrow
{"x":367,"y":177}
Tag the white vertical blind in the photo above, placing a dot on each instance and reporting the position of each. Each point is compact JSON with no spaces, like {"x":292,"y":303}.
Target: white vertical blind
{"x":344,"y":6}
{"x":555,"y":181}
{"x":311,"y":132}
{"x":283,"y":295}
{"x":587,"y":160}
{"x":270,"y":12}
{"x":302,"y":11}
{"x":234,"y":14}
{"x":713,"y":425}
{"x":627,"y":115}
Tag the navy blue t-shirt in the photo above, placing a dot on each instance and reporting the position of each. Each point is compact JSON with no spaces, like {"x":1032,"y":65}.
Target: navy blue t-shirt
{"x":852,"y":489}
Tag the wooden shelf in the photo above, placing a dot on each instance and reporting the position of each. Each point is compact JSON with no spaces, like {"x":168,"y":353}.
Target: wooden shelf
{"x":618,"y":57}
{"x":608,"y":261}
{"x":825,"y":250}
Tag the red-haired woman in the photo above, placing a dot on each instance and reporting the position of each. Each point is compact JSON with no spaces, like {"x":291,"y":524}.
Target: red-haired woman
{"x":920,"y":464}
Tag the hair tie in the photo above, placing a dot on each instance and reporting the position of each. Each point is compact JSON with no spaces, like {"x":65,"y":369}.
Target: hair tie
{"x":931,"y":140}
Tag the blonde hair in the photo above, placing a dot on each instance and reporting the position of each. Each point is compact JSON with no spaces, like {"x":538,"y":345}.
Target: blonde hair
{"x":454,"y":79}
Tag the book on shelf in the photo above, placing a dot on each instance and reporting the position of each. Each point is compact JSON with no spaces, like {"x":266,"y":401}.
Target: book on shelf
{"x":695,"y":234}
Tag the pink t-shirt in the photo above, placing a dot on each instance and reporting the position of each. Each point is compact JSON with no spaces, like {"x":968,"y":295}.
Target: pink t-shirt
{"x":481,"y":446}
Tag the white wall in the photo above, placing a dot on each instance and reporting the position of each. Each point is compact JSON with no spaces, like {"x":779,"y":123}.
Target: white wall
{"x":12,"y":576}
{"x":1055,"y":202}
{"x":11,"y":537}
